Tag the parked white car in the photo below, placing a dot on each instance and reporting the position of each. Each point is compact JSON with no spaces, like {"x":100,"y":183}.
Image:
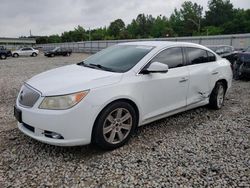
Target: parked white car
{"x":104,"y":98}
{"x":27,"y":51}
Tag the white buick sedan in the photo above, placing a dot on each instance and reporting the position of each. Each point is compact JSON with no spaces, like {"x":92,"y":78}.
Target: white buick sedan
{"x":104,"y":98}
{"x":27,"y":51}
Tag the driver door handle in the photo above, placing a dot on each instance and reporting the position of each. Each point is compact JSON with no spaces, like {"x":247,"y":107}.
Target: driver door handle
{"x":184,"y":79}
{"x":215,"y":72}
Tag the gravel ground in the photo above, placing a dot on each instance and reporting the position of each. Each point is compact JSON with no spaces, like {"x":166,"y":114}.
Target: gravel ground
{"x":201,"y":147}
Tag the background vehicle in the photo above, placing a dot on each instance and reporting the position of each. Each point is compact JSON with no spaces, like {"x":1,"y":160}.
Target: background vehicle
{"x":26,"y":51}
{"x":104,"y":98}
{"x":225,"y":51}
{"x":4,"y":53}
{"x":58,"y":51}
{"x":242,"y":65}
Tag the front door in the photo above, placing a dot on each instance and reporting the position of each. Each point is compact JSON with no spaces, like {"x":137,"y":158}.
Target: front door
{"x":165,"y":92}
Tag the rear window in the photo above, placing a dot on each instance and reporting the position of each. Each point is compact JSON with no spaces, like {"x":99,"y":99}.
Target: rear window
{"x":198,"y":56}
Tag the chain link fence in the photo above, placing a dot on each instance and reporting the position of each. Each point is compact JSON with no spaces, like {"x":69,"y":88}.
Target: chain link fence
{"x":239,"y":41}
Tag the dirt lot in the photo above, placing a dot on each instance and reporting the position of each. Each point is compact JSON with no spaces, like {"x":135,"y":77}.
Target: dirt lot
{"x":201,"y":147}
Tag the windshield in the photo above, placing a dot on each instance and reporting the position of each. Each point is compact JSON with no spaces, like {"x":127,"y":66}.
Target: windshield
{"x":248,"y":49}
{"x":55,"y":49}
{"x":118,"y":58}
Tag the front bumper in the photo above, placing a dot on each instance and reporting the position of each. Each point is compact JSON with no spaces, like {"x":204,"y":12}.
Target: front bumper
{"x":38,"y":135}
{"x":74,"y":125}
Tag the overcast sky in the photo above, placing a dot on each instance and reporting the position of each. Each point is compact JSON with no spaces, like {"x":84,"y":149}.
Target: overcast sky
{"x":46,"y":17}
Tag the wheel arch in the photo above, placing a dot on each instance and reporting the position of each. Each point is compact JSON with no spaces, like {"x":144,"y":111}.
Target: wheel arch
{"x":129,"y":101}
{"x":224,"y":82}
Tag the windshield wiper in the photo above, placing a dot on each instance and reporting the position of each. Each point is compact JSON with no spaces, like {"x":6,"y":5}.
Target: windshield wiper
{"x":84,"y":64}
{"x":101,"y":67}
{"x":94,"y":66}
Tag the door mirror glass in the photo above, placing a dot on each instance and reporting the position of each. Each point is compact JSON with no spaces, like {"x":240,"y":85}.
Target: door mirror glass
{"x":156,"y":67}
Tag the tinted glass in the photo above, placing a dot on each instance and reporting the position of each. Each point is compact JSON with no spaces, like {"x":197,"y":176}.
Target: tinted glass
{"x":119,"y":58}
{"x":26,"y":49}
{"x":197,"y":56}
{"x":172,"y":57}
{"x":211,"y":57}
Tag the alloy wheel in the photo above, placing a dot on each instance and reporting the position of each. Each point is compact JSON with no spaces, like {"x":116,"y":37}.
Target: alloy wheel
{"x":220,"y":96}
{"x":117,"y":126}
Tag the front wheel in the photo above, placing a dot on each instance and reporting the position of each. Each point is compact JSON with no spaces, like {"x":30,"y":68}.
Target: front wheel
{"x":3,"y":56}
{"x":217,"y":96}
{"x":114,"y":125}
{"x":34,"y":54}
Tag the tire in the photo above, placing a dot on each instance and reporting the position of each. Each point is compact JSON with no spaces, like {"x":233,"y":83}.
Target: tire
{"x":52,"y":55}
{"x":3,"y":56}
{"x":34,"y":54}
{"x":110,"y":131}
{"x":68,"y":54}
{"x":15,"y":55}
{"x":217,"y":96}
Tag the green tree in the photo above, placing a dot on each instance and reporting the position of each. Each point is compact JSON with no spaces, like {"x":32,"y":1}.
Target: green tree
{"x":187,"y":20}
{"x":98,"y":34}
{"x":54,"y":39}
{"x":116,"y":27}
{"x":212,"y":30}
{"x":219,"y":12}
{"x":161,"y":27}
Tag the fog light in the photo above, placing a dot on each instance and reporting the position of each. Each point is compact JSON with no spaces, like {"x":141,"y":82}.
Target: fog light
{"x":53,"y":135}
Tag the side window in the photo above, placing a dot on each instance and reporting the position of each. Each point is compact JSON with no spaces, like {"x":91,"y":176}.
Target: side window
{"x":211,"y":57}
{"x":172,"y":57}
{"x":197,"y":56}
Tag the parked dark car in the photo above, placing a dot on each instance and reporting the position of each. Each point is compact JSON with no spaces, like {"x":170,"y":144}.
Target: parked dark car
{"x":225,"y":51}
{"x":242,"y":65}
{"x":58,"y":51}
{"x":4,"y":53}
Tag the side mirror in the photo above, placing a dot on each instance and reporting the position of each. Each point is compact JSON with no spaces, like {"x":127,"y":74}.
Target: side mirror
{"x":156,"y":67}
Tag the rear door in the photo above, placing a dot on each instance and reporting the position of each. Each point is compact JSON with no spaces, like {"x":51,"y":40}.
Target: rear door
{"x":202,"y":74}
{"x":29,"y":51}
{"x":23,"y":52}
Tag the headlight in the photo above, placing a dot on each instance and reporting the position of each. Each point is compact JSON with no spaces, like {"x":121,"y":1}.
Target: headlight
{"x":62,"y":102}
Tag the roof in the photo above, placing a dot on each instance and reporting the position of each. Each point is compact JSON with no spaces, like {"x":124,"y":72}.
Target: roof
{"x":18,"y":40}
{"x":163,"y":44}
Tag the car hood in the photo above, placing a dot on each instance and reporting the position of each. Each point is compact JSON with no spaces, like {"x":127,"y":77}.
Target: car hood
{"x":72,"y":78}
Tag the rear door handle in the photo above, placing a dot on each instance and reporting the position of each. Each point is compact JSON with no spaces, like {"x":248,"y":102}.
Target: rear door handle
{"x":214,"y":73}
{"x":183,"y":80}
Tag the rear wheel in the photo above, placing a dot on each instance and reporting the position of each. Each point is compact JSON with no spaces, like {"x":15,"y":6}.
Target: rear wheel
{"x":114,"y":125}
{"x":3,"y":56}
{"x":217,"y":96}
{"x":15,"y":55}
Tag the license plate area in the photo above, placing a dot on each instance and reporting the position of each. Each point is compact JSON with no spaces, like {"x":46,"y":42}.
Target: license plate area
{"x":18,"y":114}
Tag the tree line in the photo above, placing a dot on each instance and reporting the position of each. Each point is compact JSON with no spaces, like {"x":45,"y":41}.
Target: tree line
{"x":190,"y":20}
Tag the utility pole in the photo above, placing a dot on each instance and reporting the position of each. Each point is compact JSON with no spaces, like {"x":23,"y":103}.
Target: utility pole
{"x":89,"y":34}
{"x":197,"y":24}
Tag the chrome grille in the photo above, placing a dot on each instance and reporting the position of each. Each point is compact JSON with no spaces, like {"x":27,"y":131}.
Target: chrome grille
{"x":27,"y":96}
